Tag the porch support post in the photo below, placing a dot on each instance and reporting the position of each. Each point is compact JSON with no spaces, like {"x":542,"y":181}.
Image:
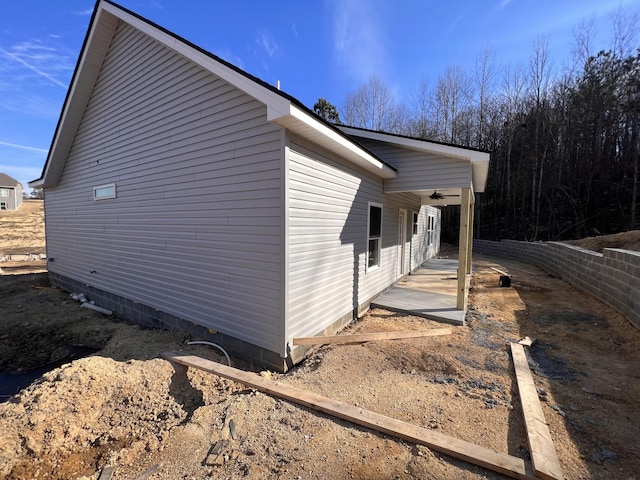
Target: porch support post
{"x":464,"y":249}
{"x":470,"y":234}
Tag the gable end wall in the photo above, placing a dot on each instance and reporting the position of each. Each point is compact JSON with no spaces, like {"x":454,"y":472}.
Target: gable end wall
{"x":196,"y":228}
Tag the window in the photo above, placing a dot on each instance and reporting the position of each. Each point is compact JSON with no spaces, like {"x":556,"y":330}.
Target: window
{"x":431,"y":225}
{"x":415,"y":223}
{"x":4,"y":192}
{"x":104,"y":191}
{"x":3,"y":205}
{"x":375,"y":235}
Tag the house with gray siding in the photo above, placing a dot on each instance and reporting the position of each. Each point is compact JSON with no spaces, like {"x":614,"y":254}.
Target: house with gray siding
{"x":182,"y":192}
{"x":10,"y":193}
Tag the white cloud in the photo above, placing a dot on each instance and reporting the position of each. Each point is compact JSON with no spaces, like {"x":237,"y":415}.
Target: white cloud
{"x":358,"y":38}
{"x":267,"y":42}
{"x":32,"y":67}
{"x":45,"y":60}
{"x":23,"y":147}
{"x":83,"y":13}
{"x":504,"y":3}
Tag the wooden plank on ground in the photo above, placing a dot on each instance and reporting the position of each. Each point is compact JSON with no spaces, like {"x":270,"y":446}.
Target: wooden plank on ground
{"x":107,"y":473}
{"x":485,"y":457}
{"x":543,"y":454}
{"x":500,"y":271}
{"x":372,"y":337}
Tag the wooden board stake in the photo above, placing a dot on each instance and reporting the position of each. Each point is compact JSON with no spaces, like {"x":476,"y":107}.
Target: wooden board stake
{"x":475,"y":454}
{"x":107,"y":473}
{"x":543,"y":454}
{"x":500,"y":271}
{"x":372,"y":337}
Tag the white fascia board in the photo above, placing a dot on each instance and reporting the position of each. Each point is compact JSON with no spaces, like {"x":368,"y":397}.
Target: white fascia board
{"x":299,"y":121}
{"x":479,"y":174}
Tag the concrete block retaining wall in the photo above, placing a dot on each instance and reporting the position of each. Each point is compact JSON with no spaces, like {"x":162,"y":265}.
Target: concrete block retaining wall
{"x":612,"y":276}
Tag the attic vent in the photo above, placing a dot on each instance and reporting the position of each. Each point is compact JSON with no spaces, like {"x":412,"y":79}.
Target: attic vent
{"x":104,"y":191}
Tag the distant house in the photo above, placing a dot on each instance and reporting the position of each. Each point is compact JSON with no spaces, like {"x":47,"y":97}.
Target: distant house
{"x":183,"y":192}
{"x":10,"y":193}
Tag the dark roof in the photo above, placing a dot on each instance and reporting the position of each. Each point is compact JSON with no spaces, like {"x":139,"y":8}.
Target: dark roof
{"x":419,"y":139}
{"x":7,"y":181}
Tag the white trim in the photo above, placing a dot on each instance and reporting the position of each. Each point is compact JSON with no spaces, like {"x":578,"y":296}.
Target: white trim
{"x":108,"y":195}
{"x":329,"y":138}
{"x":368,"y":268}
{"x":285,"y":247}
{"x":402,"y":242}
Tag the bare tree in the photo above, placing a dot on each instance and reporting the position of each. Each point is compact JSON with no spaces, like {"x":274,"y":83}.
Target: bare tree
{"x":452,"y":97}
{"x":625,"y":32}
{"x":485,"y":74}
{"x":539,"y":79}
{"x":418,"y":123}
{"x":583,"y":35}
{"x":372,"y":106}
{"x":513,"y":90}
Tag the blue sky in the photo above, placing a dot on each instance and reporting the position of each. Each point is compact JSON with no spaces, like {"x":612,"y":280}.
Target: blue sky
{"x":316,"y":48}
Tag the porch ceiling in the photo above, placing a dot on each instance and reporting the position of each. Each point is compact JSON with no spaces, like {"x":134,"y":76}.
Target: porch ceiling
{"x":424,"y":167}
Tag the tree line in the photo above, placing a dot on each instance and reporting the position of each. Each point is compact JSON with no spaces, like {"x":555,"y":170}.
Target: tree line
{"x":565,"y":145}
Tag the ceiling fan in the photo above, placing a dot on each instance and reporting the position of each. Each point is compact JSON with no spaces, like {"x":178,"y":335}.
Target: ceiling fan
{"x":438,"y":196}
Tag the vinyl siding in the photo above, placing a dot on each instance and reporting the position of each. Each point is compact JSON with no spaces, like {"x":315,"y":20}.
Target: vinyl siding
{"x":327,"y":210}
{"x":421,"y":251}
{"x":419,"y":170}
{"x":196,"y":229}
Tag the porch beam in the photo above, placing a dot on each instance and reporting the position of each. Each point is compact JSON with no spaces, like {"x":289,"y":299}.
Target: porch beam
{"x":464,"y":248}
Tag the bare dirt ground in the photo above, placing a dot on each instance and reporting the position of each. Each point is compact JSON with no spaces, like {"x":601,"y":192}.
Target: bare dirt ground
{"x":22,"y":232}
{"x":125,"y":407}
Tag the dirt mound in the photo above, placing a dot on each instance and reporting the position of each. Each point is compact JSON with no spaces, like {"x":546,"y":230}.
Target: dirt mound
{"x":626,"y":240}
{"x":111,"y":412}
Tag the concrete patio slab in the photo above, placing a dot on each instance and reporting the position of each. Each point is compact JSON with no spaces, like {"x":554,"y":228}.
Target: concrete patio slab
{"x":428,"y":292}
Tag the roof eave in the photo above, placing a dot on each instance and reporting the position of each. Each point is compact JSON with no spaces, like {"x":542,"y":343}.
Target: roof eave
{"x":479,"y":160}
{"x":307,"y":126}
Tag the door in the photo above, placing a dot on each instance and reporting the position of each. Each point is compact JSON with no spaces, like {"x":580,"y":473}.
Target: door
{"x":402,"y":242}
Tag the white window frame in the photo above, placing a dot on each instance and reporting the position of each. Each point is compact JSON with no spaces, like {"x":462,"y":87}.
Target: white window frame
{"x":110,"y":186}
{"x":5,"y":192}
{"x":370,"y":268}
